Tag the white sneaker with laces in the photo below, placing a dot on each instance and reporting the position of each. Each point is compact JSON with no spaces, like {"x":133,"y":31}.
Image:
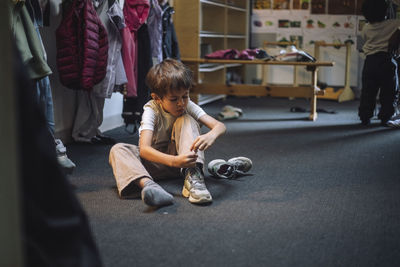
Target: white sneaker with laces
{"x":230,"y":169}
{"x":394,"y":123}
{"x":242,"y":164}
{"x":194,"y":186}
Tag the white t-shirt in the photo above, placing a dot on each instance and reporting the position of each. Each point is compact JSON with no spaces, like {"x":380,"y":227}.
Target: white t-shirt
{"x":376,"y":35}
{"x":154,"y":118}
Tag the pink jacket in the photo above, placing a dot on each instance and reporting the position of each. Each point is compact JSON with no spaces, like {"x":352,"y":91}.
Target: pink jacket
{"x":136,"y":13}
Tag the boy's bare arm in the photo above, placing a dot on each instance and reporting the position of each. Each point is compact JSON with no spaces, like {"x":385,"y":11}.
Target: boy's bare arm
{"x":206,"y":140}
{"x":149,"y":153}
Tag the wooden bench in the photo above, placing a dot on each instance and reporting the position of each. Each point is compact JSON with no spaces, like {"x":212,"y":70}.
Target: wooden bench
{"x":307,"y":91}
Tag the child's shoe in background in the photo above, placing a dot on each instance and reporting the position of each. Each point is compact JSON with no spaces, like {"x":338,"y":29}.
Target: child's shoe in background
{"x":394,"y":123}
{"x":66,"y":164}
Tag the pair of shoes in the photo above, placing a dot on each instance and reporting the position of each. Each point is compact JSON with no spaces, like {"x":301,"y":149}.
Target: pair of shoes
{"x":230,"y":169}
{"x":101,"y":139}
{"x":394,"y":123}
{"x":232,"y":108}
{"x":194,"y":186}
{"x":230,"y":112}
{"x":66,"y":164}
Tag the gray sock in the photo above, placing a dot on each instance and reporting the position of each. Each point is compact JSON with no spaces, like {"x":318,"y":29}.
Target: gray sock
{"x":154,"y":195}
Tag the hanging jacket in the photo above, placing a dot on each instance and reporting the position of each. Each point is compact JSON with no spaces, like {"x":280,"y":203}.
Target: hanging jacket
{"x":113,"y":20}
{"x":82,"y":47}
{"x":170,"y":46}
{"x":154,"y":23}
{"x":27,"y":41}
{"x":133,"y":106}
{"x":135,"y":13}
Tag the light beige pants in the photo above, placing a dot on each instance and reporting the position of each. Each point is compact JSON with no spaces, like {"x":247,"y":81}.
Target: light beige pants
{"x":89,"y":116}
{"x":128,"y":166}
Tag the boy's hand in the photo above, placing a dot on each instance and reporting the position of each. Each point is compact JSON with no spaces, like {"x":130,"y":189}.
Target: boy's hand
{"x":203,"y":142}
{"x":187,"y":160}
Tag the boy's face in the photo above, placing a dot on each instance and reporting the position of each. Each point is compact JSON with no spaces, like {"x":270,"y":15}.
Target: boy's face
{"x":174,"y":102}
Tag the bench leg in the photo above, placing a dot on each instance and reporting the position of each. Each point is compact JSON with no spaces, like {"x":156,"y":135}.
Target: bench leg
{"x":313,"y":108}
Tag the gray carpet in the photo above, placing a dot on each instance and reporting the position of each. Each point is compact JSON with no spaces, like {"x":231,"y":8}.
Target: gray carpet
{"x":323,"y":193}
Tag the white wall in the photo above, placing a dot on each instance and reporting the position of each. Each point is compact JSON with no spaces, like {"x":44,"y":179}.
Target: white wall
{"x":274,"y":31}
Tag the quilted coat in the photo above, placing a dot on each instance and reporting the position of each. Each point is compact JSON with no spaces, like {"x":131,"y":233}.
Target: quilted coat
{"x":82,"y":46}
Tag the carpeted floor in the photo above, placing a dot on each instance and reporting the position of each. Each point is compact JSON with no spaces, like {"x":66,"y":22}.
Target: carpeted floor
{"x":323,"y":193}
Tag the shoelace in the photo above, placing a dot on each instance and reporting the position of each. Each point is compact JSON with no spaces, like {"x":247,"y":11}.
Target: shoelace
{"x":231,"y":172}
{"x":196,"y":180}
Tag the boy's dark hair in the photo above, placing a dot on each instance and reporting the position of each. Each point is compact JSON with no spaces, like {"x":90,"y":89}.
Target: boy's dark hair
{"x":169,"y":75}
{"x":374,"y":10}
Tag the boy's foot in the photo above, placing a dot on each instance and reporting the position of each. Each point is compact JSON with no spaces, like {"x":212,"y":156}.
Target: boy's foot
{"x":194,"y":186}
{"x":230,"y":169}
{"x":154,"y":195}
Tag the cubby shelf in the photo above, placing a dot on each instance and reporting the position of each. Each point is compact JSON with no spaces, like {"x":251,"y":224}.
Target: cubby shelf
{"x":219,"y":24}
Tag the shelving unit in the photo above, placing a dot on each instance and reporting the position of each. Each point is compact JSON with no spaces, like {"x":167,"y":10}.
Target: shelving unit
{"x":221,"y":24}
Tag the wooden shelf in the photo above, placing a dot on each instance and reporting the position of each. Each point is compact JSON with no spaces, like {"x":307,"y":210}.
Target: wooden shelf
{"x":212,"y":34}
{"x":221,"y":24}
{"x":205,"y":99}
{"x":237,"y":36}
{"x":212,"y":3}
{"x":214,"y":67}
{"x":228,"y":6}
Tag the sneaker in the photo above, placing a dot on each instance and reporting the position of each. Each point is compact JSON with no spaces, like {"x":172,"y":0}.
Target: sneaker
{"x":230,"y":169}
{"x":242,"y":164}
{"x":66,"y":164}
{"x":194,"y":186}
{"x":394,"y":123}
{"x":228,"y":115}
{"x":219,"y":168}
{"x":232,"y":108}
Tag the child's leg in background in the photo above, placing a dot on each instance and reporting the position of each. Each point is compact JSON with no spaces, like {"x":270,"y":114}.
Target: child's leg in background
{"x":185,"y":131}
{"x":369,"y":91}
{"x":387,"y":95}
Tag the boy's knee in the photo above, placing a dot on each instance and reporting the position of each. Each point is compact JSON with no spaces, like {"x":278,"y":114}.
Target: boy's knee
{"x":116,"y":148}
{"x":122,"y":148}
{"x":185,"y":119}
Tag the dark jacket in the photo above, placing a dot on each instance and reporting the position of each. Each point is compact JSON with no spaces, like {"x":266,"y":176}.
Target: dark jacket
{"x":133,"y":106}
{"x":170,"y":46}
{"x":82,"y":46}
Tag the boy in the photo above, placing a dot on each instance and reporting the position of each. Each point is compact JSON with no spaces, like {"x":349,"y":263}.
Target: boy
{"x":170,"y":143}
{"x":380,"y":68}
